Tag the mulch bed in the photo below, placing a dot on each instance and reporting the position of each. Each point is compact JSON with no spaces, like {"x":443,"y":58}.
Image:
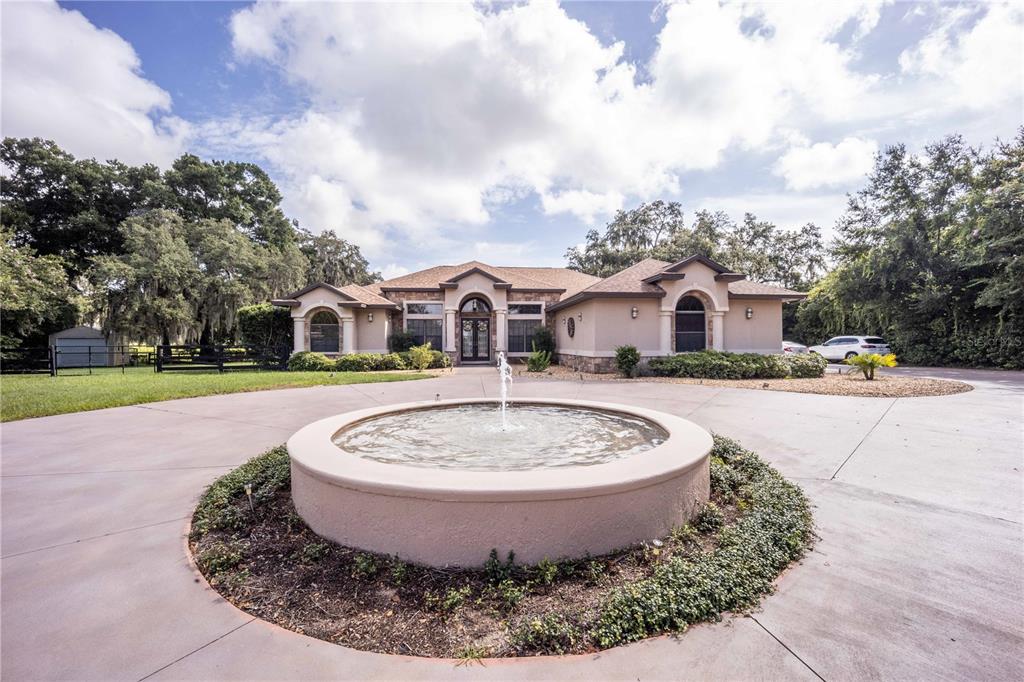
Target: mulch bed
{"x":262,"y":557}
{"x":833,"y":383}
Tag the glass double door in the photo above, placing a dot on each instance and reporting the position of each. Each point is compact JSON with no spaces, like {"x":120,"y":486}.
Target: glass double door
{"x":476,"y":340}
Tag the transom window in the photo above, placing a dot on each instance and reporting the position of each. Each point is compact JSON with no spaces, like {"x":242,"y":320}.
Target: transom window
{"x":475,"y":305}
{"x":524,"y":308}
{"x":423,"y":308}
{"x":324,"y":332}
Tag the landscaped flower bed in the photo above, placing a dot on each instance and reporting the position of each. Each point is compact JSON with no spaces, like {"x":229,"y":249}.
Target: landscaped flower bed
{"x":256,"y":551}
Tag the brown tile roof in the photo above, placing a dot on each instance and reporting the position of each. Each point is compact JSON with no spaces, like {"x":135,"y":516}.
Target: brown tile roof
{"x":756,"y":289}
{"x":364,"y":295}
{"x":519,"y":277}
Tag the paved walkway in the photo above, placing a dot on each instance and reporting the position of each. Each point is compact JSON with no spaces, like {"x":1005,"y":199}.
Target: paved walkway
{"x":918,"y":572}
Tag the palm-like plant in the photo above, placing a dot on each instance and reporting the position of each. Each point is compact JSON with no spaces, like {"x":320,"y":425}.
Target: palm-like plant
{"x":868,"y":363}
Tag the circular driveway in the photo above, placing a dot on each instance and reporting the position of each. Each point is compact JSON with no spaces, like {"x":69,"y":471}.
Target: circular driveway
{"x":917,"y":573}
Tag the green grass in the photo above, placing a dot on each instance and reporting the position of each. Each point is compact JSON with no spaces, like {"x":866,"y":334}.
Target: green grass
{"x":24,"y":396}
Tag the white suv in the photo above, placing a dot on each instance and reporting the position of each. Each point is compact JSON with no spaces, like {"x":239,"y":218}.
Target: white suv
{"x":843,"y":347}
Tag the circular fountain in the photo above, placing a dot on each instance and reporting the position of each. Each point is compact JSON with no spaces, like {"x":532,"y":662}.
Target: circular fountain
{"x":444,"y":482}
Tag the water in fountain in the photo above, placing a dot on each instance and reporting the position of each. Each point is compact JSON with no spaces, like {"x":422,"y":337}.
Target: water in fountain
{"x":505,"y":374}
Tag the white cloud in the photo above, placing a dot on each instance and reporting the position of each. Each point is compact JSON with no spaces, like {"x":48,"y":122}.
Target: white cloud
{"x":81,"y":86}
{"x":428,"y":115}
{"x":785,"y":209}
{"x":974,"y":55}
{"x":826,"y":165}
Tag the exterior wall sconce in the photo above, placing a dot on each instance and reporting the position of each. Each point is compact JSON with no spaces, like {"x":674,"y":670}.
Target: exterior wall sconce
{"x":750,"y":313}
{"x":369,"y":317}
{"x":581,"y":317}
{"x":634,"y":312}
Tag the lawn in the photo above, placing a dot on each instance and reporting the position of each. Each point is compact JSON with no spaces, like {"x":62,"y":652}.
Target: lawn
{"x":24,"y":396}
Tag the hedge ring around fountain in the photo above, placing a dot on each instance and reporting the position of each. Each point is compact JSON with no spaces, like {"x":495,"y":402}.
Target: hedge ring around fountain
{"x":440,"y":483}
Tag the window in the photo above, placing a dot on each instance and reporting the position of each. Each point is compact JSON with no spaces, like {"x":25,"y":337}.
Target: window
{"x":875,"y":340}
{"x":423,"y":308}
{"x":520,"y":335}
{"x":691,"y":328}
{"x":476,"y":305}
{"x":524,"y":308}
{"x":324,"y":336}
{"x":424,"y":330}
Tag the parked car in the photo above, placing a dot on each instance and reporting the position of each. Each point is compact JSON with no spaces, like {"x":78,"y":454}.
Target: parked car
{"x":842,"y":347}
{"x":791,"y":347}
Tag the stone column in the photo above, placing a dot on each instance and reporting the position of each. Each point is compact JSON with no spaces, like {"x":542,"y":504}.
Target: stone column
{"x":500,"y":335}
{"x":348,"y":335}
{"x":299,"y":330}
{"x":449,"y":330}
{"x":718,"y":330}
{"x":665,"y":332}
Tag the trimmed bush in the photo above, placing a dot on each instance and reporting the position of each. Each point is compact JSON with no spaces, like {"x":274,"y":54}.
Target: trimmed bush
{"x":538,"y":360}
{"x":391,"y":361}
{"x":713,"y":364}
{"x":358,"y":362}
{"x":265,"y":325}
{"x":805,"y":366}
{"x":438,"y":360}
{"x":544,"y":340}
{"x":401,"y":341}
{"x":626,"y":360}
{"x":308,"y":361}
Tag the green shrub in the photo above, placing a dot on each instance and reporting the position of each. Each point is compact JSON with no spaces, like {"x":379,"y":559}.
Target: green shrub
{"x":805,"y":365}
{"x":709,"y":519}
{"x":358,"y":362}
{"x":509,"y":593}
{"x":775,"y":529}
{"x":308,"y":361}
{"x":544,"y":340}
{"x":220,"y":506}
{"x":401,"y":341}
{"x":545,"y":571}
{"x":265,"y":325}
{"x":498,"y":570}
{"x":220,"y":557}
{"x":364,"y":565}
{"x":391,"y":361}
{"x":450,"y":601}
{"x":314,"y":552}
{"x":421,"y":356}
{"x":549,"y":634}
{"x":627,"y":358}
{"x":713,"y":364}
{"x":538,"y":361}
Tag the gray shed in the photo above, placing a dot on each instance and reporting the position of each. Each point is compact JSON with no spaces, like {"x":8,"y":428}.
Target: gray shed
{"x":82,"y":347}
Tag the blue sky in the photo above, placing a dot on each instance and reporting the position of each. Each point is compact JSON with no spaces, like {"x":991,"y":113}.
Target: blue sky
{"x":442,"y":133}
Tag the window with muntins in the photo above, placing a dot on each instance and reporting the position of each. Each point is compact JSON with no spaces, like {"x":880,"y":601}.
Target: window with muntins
{"x":424,"y":331}
{"x":520,"y":335}
{"x":324,"y":333}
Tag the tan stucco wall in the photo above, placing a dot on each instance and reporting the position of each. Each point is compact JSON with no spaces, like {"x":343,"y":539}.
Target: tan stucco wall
{"x":475,"y":284}
{"x":760,"y":334}
{"x":699,"y":277}
{"x":615,"y":325}
{"x":583,"y":341}
{"x":372,"y":337}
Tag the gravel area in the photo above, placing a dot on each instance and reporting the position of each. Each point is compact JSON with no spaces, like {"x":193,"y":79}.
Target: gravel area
{"x":833,"y":383}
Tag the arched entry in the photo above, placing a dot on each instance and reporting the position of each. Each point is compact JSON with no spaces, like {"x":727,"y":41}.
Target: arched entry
{"x":691,"y":325}
{"x":475,"y":328}
{"x":324,"y":336}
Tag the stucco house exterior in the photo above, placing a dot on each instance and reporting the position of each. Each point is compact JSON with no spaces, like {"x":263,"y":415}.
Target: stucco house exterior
{"x":474,"y":310}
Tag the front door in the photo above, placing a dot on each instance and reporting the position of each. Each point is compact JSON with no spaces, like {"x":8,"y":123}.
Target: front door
{"x":476,"y":340}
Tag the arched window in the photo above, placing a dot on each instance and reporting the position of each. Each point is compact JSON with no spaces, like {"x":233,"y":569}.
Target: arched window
{"x":691,"y":327}
{"x":475,"y":305}
{"x":324,"y":336}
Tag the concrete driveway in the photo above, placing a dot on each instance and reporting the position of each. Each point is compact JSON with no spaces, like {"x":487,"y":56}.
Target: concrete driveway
{"x":917,"y":575}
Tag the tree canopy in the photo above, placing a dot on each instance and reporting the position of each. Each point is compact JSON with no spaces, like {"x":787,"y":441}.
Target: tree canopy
{"x":152,"y":255}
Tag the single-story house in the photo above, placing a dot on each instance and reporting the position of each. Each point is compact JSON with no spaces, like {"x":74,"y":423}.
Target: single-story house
{"x":474,"y":310}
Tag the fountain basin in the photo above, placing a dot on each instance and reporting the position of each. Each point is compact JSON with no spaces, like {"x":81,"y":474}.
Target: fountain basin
{"x":455,"y":516}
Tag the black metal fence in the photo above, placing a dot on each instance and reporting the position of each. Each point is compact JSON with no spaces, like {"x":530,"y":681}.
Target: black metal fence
{"x":220,"y":358}
{"x":57,"y":360}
